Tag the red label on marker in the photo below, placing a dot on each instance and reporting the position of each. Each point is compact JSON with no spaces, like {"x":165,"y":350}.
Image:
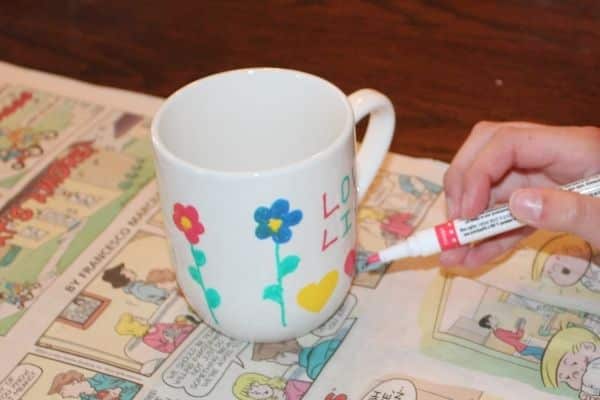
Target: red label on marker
{"x":446,"y":235}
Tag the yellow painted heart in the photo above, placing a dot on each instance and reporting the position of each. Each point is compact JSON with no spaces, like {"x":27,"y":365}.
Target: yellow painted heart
{"x":314,"y":296}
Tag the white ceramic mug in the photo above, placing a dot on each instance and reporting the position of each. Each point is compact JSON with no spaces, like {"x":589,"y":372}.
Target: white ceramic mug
{"x":259,"y":186}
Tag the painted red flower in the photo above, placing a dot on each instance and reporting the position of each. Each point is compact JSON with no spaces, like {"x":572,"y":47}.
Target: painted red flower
{"x":187,"y":221}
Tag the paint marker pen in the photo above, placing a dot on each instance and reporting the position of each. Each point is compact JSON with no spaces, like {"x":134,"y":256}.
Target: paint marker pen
{"x":459,"y":232}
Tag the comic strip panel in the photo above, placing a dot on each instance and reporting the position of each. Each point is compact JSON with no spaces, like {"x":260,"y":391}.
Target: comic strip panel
{"x":40,"y":378}
{"x":214,"y":366}
{"x":560,"y":269}
{"x":32,"y":124}
{"x":408,"y":388}
{"x":131,"y":316}
{"x":390,"y":212}
{"x":66,"y":206}
{"x":505,"y":333}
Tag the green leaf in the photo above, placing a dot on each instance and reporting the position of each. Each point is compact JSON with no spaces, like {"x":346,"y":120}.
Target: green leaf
{"x":194,"y":273}
{"x":273,"y":292}
{"x":213,"y":298}
{"x":288,"y":265}
{"x":199,"y":257}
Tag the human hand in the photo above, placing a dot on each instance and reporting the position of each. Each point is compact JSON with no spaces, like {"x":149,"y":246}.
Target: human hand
{"x":523,"y":163}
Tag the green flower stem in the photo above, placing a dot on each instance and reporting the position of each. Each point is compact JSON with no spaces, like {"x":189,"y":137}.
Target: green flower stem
{"x":201,"y":283}
{"x":280,"y":283}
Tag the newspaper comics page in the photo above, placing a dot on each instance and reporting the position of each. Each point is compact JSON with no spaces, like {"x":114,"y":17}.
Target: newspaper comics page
{"x":90,"y":308}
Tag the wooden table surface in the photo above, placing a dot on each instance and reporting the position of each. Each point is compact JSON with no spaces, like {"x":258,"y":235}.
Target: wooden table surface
{"x":445,"y":65}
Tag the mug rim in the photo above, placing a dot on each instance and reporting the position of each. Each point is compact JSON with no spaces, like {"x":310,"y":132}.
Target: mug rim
{"x":323,"y":153}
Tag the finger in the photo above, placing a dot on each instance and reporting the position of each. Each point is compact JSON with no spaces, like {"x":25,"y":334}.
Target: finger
{"x":453,"y":178}
{"x":501,"y":191}
{"x":490,"y":249}
{"x":518,"y":148}
{"x":480,"y":135}
{"x":558,"y":210}
{"x":450,"y":258}
{"x":483,"y":252}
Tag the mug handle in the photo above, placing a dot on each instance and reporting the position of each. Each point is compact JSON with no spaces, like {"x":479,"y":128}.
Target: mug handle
{"x":378,"y":136}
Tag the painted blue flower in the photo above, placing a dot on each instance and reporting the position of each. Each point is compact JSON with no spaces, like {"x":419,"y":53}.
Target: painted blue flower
{"x":275,"y":222}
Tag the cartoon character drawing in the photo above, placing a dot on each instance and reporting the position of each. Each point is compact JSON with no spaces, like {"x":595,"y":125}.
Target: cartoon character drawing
{"x":512,"y":338}
{"x":572,"y":356}
{"x":390,"y":211}
{"x":554,"y":318}
{"x":27,"y":136}
{"x":395,"y":200}
{"x":74,"y":385}
{"x":155,"y":289}
{"x":161,"y":336}
{"x":23,"y":143}
{"x":254,"y":386}
{"x":313,"y":359}
{"x":568,"y":260}
{"x":163,"y":278}
{"x":20,"y":295}
{"x":8,"y":255}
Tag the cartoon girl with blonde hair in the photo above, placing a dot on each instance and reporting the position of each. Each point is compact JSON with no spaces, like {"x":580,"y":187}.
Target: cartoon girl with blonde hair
{"x":161,"y":336}
{"x":572,"y":356}
{"x":254,"y":386}
{"x":568,"y":260}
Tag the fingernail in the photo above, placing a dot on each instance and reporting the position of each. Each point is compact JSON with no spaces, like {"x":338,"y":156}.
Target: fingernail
{"x":526,"y":205}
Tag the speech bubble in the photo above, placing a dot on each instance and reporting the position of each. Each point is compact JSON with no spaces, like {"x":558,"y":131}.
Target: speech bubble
{"x":204,"y":362}
{"x":19,"y":381}
{"x":392,"y":389}
{"x":333,"y":324}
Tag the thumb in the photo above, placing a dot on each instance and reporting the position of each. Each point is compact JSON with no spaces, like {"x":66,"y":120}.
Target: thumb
{"x":559,"y":211}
